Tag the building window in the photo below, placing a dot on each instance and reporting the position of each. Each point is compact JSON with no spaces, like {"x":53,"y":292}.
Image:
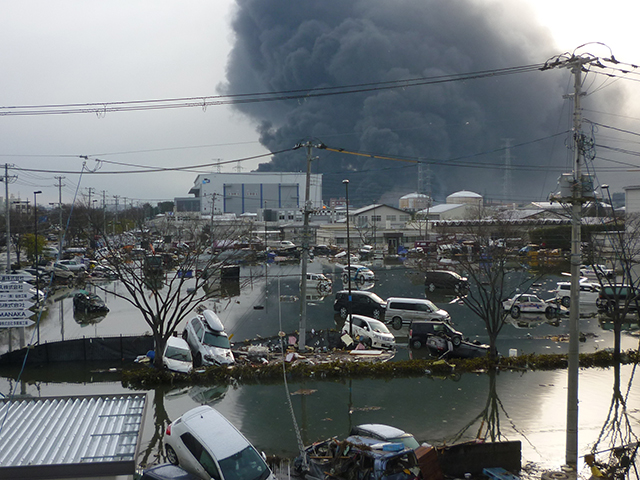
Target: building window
{"x":391,"y":218}
{"x":405,"y":218}
{"x":376,"y":218}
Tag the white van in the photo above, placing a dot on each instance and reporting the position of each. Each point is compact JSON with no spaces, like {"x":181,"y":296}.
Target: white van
{"x":402,"y":311}
{"x":203,"y":442}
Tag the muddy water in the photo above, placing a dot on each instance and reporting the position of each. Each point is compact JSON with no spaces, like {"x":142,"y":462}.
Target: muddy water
{"x":526,"y":406}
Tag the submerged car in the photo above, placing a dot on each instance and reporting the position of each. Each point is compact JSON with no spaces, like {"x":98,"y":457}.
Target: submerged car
{"x":357,"y":457}
{"x":362,"y":303}
{"x":208,"y":341}
{"x":357,"y":274}
{"x":370,"y":331}
{"x":527,"y":303}
{"x":177,"y":355}
{"x":203,"y":442}
{"x":88,"y":302}
{"x":402,"y":311}
{"x":445,"y":280}
{"x":421,"y":330}
{"x":385,"y":433}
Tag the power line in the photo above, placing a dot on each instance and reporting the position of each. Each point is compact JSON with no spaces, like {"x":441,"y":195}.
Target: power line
{"x":102,"y":108}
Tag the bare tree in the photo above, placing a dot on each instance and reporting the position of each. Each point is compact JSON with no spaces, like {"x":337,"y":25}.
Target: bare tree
{"x":165,"y":286}
{"x":493,"y":270}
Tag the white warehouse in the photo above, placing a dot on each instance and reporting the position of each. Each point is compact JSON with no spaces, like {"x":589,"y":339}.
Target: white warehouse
{"x":251,"y":192}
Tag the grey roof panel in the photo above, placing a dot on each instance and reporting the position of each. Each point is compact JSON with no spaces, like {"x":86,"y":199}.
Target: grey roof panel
{"x":67,"y":433}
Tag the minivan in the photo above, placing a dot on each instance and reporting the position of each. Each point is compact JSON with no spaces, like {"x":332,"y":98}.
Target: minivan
{"x":362,"y":303}
{"x":622,"y":295}
{"x":402,"y":311}
{"x":445,"y":280}
{"x":203,"y":442}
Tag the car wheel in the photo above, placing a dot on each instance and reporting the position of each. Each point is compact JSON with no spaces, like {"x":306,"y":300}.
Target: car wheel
{"x":367,"y":342}
{"x":549,"y":311}
{"x":396,"y":323}
{"x":456,"y":341}
{"x":416,"y":344}
{"x":359,"y":279}
{"x":376,"y":314}
{"x":432,"y":287}
{"x":566,"y":302}
{"x":343,"y":312}
{"x":197,"y":361}
{"x":515,"y":311}
{"x":185,"y":334}
{"x":345,"y":278}
{"x":171,"y":455}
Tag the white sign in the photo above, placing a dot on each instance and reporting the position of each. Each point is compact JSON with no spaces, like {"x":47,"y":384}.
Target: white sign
{"x":15,"y":304}
{"x":15,"y":323}
{"x":15,"y":314}
{"x":15,"y":287}
{"x":7,"y":297}
{"x":17,"y":277}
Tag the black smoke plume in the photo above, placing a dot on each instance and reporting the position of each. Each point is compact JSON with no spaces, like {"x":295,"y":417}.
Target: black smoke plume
{"x":284,"y":45}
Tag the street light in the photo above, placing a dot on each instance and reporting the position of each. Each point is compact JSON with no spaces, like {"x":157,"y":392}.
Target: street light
{"x":35,"y":224}
{"x":349,"y":306}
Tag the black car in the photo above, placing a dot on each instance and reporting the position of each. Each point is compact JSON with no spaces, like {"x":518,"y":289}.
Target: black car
{"x":420,"y":330}
{"x":362,"y":303}
{"x":625,"y":296}
{"x":87,"y":302}
{"x":445,"y":280}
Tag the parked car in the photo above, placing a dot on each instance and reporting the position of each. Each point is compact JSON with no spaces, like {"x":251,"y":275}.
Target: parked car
{"x":385,"y":433}
{"x":75,"y":265}
{"x":358,"y":274}
{"x":445,"y":280}
{"x":402,"y":311}
{"x":167,"y":471}
{"x":371,"y":332}
{"x":527,"y":303}
{"x":589,"y":292}
{"x":177,"y":355}
{"x":362,"y":303}
{"x":208,"y":341}
{"x":322,"y":250}
{"x":319,"y":283}
{"x":420,"y":330}
{"x":61,"y":271}
{"x":597,"y":271}
{"x":625,"y":296}
{"x":103,"y":271}
{"x":203,"y":442}
{"x":88,"y":302}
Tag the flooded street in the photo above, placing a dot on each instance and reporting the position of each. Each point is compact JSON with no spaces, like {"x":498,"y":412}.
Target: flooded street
{"x":527,"y":406}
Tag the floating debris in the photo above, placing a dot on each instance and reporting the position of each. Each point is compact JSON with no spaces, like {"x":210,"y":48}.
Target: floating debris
{"x":304,"y":391}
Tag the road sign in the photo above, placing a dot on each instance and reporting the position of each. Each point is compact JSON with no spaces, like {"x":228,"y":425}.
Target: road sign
{"x":15,"y":287}
{"x":8,"y":297}
{"x":15,"y":314}
{"x":17,"y":277}
{"x":16,"y":323}
{"x":16,"y":304}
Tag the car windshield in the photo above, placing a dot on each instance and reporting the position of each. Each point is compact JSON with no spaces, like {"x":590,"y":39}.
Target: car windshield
{"x":406,"y":439}
{"x":247,"y":464}
{"x":176,"y":353}
{"x":214,"y":340}
{"x":378,"y":327}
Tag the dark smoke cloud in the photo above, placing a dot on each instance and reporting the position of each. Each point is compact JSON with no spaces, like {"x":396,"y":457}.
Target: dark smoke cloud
{"x":289,"y":45}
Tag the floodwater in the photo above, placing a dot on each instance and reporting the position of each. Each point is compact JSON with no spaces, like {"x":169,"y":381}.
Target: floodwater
{"x":526,"y":406}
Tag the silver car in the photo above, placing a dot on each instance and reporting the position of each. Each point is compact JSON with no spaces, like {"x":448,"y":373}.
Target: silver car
{"x":208,"y":341}
{"x":204,"y":443}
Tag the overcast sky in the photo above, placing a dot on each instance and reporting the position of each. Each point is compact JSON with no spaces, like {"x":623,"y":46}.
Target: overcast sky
{"x":77,"y":52}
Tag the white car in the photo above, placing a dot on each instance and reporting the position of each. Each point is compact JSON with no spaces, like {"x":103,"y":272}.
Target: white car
{"x":527,"y":303}
{"x":370,"y":331}
{"x":75,"y":265}
{"x":358,"y":274}
{"x":589,"y":292}
{"x":596,"y":271}
{"x":203,"y":442}
{"x":208,"y":341}
{"x":177,"y":356}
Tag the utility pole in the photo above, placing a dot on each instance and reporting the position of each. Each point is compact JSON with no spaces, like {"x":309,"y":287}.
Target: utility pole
{"x":7,"y":211}
{"x":574,"y":190}
{"x":61,"y":232}
{"x":116,"y":218}
{"x":308,"y":208}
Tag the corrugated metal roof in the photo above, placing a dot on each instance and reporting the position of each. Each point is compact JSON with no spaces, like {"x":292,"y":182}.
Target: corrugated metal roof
{"x":93,"y":433}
